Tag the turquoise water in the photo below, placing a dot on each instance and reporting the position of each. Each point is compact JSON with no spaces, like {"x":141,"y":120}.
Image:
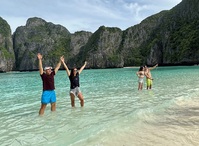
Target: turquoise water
{"x":115,"y":112}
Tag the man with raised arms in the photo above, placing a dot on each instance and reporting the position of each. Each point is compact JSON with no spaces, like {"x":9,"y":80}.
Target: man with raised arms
{"x":47,"y":76}
{"x":148,"y":75}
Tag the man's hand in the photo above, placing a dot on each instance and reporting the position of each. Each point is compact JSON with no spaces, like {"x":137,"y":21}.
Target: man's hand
{"x":39,"y":56}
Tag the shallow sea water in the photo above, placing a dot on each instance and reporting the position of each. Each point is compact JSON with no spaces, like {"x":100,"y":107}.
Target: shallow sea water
{"x":115,"y":112}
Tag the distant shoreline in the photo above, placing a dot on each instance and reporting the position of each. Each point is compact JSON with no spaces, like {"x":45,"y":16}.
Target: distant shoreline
{"x":16,"y":71}
{"x":131,"y":67}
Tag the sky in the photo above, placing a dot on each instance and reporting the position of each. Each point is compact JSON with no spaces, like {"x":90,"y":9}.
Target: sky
{"x":87,"y":15}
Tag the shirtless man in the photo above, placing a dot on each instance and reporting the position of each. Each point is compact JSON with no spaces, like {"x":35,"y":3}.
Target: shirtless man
{"x":149,"y":76}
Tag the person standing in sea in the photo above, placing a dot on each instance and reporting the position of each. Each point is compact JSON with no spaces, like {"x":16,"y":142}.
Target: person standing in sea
{"x":47,"y":76}
{"x":148,"y":75}
{"x":140,"y":75}
{"x":74,"y":83}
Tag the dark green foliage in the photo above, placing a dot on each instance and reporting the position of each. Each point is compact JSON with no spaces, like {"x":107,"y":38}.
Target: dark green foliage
{"x":62,"y":47}
{"x":176,"y":36}
{"x":133,"y":58}
{"x":4,"y":28}
{"x":6,"y":54}
{"x":184,"y":42}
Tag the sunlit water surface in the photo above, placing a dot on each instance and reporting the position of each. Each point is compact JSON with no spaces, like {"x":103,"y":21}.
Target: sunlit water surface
{"x":115,"y":112}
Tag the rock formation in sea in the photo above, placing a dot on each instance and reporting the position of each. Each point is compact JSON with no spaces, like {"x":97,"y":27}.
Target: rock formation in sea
{"x":39,"y":36}
{"x":7,"y":57}
{"x":168,"y":38}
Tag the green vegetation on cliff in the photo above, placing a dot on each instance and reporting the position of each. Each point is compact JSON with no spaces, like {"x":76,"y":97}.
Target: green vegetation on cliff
{"x":169,"y":37}
{"x":7,"y":57}
{"x":4,"y":28}
{"x":6,"y":53}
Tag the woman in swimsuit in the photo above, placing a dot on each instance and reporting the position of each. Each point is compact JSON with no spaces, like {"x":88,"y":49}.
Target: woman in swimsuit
{"x":74,"y":83}
{"x":140,"y":75}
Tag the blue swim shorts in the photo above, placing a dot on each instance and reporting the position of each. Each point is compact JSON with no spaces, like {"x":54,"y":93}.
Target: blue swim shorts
{"x":48,"y":96}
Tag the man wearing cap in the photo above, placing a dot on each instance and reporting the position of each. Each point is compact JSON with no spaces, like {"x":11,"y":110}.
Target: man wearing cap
{"x":47,"y":76}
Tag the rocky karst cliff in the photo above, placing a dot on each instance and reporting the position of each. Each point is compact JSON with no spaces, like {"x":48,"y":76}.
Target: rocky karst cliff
{"x":49,"y":39}
{"x":167,"y":38}
{"x":134,"y":38}
{"x":7,"y":58}
{"x":175,"y":40}
{"x":101,"y":50}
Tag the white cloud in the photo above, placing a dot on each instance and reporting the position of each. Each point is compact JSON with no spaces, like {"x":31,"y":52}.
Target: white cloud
{"x":86,"y":15}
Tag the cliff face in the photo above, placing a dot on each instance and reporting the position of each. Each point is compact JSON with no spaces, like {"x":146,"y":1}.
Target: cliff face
{"x":102,"y":49}
{"x":167,"y":38}
{"x":176,"y":39}
{"x":7,"y":58}
{"x":38,"y":36}
{"x":135,"y":36}
{"x":78,"y":40}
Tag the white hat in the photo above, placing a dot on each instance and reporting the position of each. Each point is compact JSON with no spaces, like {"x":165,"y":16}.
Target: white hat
{"x":48,"y":67}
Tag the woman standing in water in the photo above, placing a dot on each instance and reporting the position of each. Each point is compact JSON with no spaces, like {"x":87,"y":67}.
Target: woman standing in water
{"x":74,"y":83}
{"x":140,"y":75}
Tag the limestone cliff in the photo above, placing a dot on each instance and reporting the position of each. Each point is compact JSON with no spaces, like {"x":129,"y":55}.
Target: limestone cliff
{"x":135,"y":36}
{"x":39,"y":36}
{"x":167,"y":38}
{"x":7,"y":58}
{"x":102,"y":49}
{"x":176,"y":39}
{"x":78,"y":40}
